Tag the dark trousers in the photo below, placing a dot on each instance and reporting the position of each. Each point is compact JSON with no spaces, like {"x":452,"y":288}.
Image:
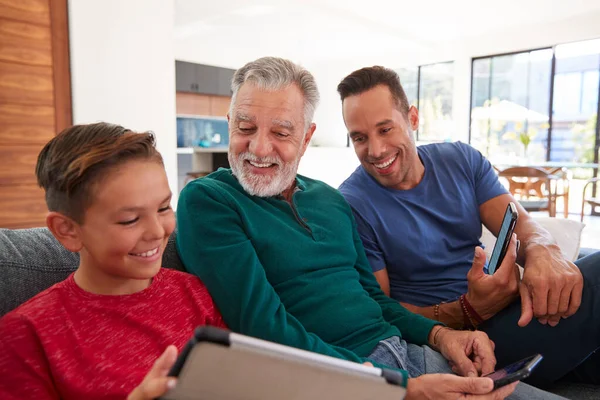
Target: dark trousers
{"x":569,"y":349}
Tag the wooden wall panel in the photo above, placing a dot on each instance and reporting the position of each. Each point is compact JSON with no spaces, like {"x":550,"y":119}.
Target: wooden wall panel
{"x":59,"y":31}
{"x":34,"y":11}
{"x":25,"y":43}
{"x":201,"y":104}
{"x":23,"y":206}
{"x":17,"y":164}
{"x":219,"y":105}
{"x":35,"y":101}
{"x":192,"y":104}
{"x":22,"y":124}
{"x":26,"y":84}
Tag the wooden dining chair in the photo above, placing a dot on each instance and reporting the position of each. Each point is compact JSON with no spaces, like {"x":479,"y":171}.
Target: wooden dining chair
{"x":534,"y":188}
{"x":562,"y":185}
{"x":593,"y":201}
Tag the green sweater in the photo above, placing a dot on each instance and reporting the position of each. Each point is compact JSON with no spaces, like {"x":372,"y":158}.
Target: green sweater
{"x":292,"y":274}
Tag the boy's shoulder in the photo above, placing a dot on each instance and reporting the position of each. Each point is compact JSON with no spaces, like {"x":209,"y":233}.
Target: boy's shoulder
{"x":180,"y":278}
{"x":184,"y":291}
{"x":182,"y":281}
{"x":44,"y":306}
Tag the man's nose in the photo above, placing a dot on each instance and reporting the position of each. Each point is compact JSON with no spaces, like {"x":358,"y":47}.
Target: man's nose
{"x":376,"y":148}
{"x":260,"y":144}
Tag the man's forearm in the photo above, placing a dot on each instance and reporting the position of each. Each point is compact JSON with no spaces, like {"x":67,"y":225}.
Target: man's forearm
{"x":535,"y":240}
{"x":449,"y":314}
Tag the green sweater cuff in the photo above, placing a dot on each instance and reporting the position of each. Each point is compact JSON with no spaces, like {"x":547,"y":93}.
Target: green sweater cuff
{"x":419,"y":332}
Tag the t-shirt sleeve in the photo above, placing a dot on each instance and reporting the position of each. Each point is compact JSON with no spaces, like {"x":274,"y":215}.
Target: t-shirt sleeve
{"x":24,"y":370}
{"x":487,"y":184}
{"x":369,"y":239}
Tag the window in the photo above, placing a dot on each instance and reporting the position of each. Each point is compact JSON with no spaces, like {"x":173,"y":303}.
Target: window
{"x":510,"y":105}
{"x":511,"y":114}
{"x":409,"y":78}
{"x":575,"y":108}
{"x":429,"y":87}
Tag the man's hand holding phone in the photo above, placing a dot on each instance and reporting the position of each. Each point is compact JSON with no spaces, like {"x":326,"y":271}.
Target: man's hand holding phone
{"x":488,"y":294}
{"x":452,"y":387}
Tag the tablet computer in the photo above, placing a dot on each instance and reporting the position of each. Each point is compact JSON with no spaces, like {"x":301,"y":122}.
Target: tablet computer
{"x":217,"y":365}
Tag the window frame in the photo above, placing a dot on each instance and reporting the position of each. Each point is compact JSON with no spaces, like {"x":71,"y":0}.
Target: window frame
{"x":550,"y":97}
{"x":418,"y":99}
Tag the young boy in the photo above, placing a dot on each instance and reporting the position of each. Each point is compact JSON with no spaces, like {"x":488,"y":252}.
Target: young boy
{"x":100,"y":333}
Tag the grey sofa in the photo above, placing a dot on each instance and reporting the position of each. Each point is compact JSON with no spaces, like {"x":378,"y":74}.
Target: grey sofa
{"x":32,"y":260}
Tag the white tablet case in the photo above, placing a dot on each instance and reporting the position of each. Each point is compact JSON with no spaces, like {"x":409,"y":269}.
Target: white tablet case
{"x":252,"y":369}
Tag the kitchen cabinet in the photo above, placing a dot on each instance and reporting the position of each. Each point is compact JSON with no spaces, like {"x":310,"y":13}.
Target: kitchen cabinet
{"x":224,"y":77}
{"x":204,"y":79}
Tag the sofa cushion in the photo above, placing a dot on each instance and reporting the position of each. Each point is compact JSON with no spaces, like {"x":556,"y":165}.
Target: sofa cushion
{"x":32,"y":260}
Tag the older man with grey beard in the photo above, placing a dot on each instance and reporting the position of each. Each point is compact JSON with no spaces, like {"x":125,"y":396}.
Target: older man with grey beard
{"x":280,"y":254}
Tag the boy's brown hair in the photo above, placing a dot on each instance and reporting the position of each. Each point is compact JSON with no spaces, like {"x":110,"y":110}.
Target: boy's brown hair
{"x":367,"y":78}
{"x":73,"y":162}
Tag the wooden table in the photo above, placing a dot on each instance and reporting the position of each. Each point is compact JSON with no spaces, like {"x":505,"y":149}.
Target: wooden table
{"x":553,"y":167}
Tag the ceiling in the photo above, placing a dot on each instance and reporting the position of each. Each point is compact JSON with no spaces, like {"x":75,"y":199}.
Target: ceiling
{"x":229,"y":33}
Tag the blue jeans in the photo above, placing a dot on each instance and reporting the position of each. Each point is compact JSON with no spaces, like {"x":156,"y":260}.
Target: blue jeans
{"x":419,"y":360}
{"x":568,"y":348}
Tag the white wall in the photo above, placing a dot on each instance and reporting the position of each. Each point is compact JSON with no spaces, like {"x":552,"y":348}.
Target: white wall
{"x":331,"y":165}
{"x":331,"y":131}
{"x":123,"y":69}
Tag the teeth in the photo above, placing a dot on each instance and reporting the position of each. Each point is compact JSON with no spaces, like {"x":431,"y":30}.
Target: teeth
{"x":260,"y":165}
{"x":147,"y":254}
{"x":386,"y":164}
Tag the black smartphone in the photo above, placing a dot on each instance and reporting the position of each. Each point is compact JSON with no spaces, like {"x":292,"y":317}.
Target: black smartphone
{"x":506,"y":230}
{"x":515,"y":372}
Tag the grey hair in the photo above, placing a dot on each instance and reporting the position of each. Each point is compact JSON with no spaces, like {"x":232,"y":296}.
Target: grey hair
{"x":273,"y":73}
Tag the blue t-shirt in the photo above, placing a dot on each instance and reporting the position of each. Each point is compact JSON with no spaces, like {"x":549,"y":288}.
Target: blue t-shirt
{"x":425,"y":236}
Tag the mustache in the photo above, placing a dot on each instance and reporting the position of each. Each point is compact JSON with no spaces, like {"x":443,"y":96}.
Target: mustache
{"x":247,"y":156}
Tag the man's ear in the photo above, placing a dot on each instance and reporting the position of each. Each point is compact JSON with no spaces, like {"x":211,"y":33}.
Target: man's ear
{"x":413,"y":118}
{"x":65,"y":230}
{"x":308,"y":136}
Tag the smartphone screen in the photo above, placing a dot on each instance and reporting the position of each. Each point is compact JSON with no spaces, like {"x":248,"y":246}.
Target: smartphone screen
{"x":506,"y":230}
{"x":515,"y":372}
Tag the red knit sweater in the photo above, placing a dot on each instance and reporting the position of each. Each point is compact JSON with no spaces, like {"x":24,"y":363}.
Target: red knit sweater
{"x":70,"y":344}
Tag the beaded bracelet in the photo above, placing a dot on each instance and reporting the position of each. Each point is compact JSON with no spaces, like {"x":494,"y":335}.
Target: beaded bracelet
{"x":472,"y":313}
{"x":467,"y":321}
{"x":436,"y":312}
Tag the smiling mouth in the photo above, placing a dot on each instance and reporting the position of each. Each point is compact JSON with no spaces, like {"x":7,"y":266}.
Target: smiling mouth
{"x":385,"y":164}
{"x":148,"y":253}
{"x":260,"y":165}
